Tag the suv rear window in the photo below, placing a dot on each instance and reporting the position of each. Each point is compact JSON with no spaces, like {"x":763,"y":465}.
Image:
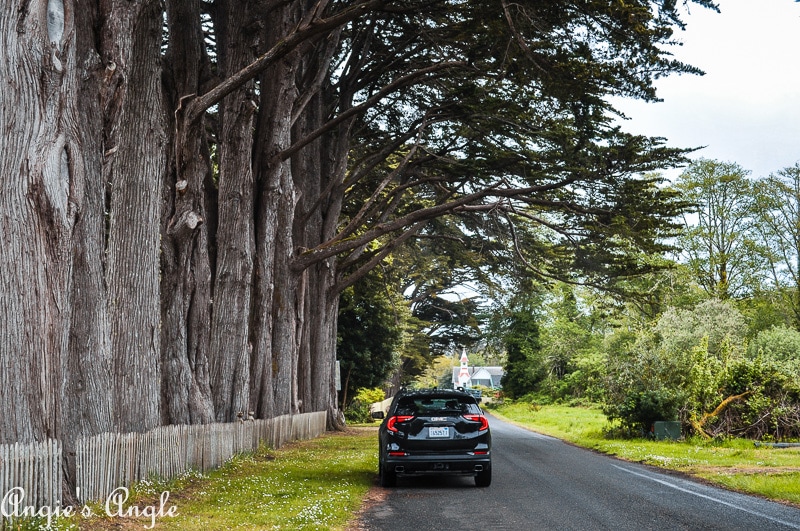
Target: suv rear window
{"x":439,"y":406}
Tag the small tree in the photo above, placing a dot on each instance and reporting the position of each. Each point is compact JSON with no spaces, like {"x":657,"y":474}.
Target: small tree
{"x":643,"y":384}
{"x":779,"y":344}
{"x":359,"y":408}
{"x":676,"y":367}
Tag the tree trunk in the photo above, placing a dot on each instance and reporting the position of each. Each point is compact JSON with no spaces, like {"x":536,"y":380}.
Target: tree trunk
{"x":135,"y":145}
{"x":186,"y":268}
{"x":87,"y":407}
{"x":275,"y":318}
{"x":117,"y":238}
{"x":40,"y":198}
{"x":319,"y":169}
{"x":231,"y":348}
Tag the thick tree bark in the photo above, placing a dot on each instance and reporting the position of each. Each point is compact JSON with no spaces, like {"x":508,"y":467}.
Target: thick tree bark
{"x":275,"y":317}
{"x":118,"y":237}
{"x":231,"y":348}
{"x":317,"y":352}
{"x":185,"y":264}
{"x":88,"y":392}
{"x":134,"y":168}
{"x":40,"y":199}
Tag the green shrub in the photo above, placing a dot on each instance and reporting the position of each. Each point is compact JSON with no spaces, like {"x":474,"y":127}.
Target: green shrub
{"x":780,"y":345}
{"x":641,"y":408}
{"x":370,"y":396}
{"x":358,"y":410}
{"x":770,"y":406}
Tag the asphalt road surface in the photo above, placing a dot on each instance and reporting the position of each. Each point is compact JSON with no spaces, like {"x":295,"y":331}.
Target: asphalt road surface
{"x":542,"y":483}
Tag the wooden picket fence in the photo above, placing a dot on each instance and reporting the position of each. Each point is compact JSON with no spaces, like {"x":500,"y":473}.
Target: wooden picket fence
{"x":111,"y":460}
{"x":35,"y":468}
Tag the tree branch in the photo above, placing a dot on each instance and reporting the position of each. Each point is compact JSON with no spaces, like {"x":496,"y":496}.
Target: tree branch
{"x":375,"y":260}
{"x":304,"y":31}
{"x":353,"y":111}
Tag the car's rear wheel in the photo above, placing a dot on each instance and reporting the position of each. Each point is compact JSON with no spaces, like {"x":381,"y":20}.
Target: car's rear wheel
{"x":483,"y":478}
{"x":388,"y":478}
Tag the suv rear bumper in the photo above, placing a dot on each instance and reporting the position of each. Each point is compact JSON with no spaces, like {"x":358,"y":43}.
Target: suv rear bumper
{"x":438,"y":464}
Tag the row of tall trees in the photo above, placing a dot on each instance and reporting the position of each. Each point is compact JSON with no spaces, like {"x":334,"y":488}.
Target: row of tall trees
{"x":189,"y":185}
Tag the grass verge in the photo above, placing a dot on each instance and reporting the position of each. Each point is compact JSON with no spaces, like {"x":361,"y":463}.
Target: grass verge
{"x":735,"y":464}
{"x":309,"y":485}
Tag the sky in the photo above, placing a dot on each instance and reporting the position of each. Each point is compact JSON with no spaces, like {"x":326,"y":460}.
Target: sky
{"x":746,"y":108}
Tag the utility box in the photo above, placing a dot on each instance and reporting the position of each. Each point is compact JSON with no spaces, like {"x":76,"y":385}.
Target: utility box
{"x":667,"y":430}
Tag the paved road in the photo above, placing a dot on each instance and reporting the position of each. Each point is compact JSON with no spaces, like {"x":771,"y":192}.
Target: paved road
{"x":542,"y":483}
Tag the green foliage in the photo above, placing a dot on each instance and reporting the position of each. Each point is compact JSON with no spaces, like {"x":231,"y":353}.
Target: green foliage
{"x":369,"y":334}
{"x":524,"y":367}
{"x":777,"y":200}
{"x":573,"y":198}
{"x":585,"y":378}
{"x":431,"y":273}
{"x":778,"y":343}
{"x":508,"y":148}
{"x":566,"y":335}
{"x":675,"y":368}
{"x":358,"y":410}
{"x":370,"y":396}
{"x":715,"y":320}
{"x":642,"y":407}
{"x":722,"y":247}
{"x":643,"y":384}
{"x":693,"y":361}
{"x":770,"y":411}
{"x":763,"y":311}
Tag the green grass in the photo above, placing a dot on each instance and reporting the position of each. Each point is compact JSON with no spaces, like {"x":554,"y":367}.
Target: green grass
{"x":736,"y":464}
{"x":316,"y":484}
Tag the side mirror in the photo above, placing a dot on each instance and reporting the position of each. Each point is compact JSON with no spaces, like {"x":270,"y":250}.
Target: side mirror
{"x":378,"y":415}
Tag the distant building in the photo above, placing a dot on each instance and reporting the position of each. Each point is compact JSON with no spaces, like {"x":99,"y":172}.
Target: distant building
{"x":466,"y":376}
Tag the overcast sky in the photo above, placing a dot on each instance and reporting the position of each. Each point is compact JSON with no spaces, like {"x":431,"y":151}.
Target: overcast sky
{"x":746,"y":109}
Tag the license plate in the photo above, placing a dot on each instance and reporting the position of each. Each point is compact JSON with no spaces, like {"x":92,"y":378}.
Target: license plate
{"x":439,"y":432}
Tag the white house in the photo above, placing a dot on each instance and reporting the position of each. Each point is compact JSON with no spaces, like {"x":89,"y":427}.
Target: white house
{"x":466,"y":376}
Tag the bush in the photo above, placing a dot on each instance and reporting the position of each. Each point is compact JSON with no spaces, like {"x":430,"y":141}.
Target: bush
{"x":641,"y":408}
{"x":358,"y":410}
{"x":370,"y":396}
{"x":770,"y":409}
{"x":524,"y":366}
{"x":684,"y":367}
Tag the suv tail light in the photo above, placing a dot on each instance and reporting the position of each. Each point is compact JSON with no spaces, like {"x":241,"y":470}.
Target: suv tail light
{"x":479,"y":418}
{"x":390,"y":424}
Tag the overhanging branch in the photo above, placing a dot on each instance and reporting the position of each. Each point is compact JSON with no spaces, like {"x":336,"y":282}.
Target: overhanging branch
{"x":305,"y":30}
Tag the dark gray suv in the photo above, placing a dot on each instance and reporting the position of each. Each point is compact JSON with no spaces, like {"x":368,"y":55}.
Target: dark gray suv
{"x":434,"y":431}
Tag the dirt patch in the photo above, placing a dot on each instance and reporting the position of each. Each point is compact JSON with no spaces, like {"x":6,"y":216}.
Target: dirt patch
{"x":375,"y":496}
